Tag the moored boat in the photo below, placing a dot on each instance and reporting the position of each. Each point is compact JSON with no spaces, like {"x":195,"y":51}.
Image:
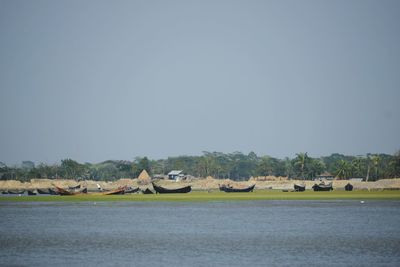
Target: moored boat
{"x":15,"y":192}
{"x":64,"y":192}
{"x":43,"y":191}
{"x":162,"y":190}
{"x":74,"y":187}
{"x":299,"y":188}
{"x":231,"y":189}
{"x":118,"y":191}
{"x":348,"y":187}
{"x":322,"y":187}
{"x":147,"y":191}
{"x":131,"y":190}
{"x":31,"y":193}
{"x":53,"y":192}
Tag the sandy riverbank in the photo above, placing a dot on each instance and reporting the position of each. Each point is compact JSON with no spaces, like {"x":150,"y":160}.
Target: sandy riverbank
{"x":208,"y":183}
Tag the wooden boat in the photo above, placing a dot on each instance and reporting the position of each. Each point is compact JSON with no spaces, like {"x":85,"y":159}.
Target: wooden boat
{"x":299,"y":188}
{"x":53,"y":192}
{"x":64,"y":192}
{"x":31,"y":193}
{"x":118,"y":191}
{"x":162,"y":190}
{"x":230,"y":189}
{"x":74,"y":187}
{"x":130,"y":190}
{"x":322,"y":187}
{"x":147,"y":191}
{"x":43,"y":191}
{"x":16,"y":192}
{"x":348,"y":187}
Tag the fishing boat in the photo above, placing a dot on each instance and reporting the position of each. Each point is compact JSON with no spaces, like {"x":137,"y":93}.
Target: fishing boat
{"x":31,"y":193}
{"x":43,"y":191}
{"x":299,"y":188}
{"x":162,"y":190}
{"x":74,"y":187}
{"x":231,"y":189}
{"x":64,"y":192}
{"x":16,"y":192}
{"x":53,"y":192}
{"x":147,"y":191}
{"x":131,"y":190}
{"x":348,"y":187}
{"x":118,"y":191}
{"x":322,"y":187}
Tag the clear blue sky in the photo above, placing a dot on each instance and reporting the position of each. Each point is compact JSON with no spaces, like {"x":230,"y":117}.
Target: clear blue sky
{"x":96,"y":80}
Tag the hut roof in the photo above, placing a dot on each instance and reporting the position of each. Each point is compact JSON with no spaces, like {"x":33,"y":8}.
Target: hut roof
{"x":144,"y":175}
{"x":175,"y":172}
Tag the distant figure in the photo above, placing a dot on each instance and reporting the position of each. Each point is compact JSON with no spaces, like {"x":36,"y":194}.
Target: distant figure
{"x":99,"y":188}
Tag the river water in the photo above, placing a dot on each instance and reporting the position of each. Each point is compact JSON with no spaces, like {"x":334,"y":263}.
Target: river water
{"x":248,"y":233}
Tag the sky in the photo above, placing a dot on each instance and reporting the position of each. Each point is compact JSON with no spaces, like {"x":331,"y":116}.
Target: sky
{"x":96,"y":80}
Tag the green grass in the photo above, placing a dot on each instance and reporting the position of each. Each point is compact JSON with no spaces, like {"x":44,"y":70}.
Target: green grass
{"x":217,"y":196}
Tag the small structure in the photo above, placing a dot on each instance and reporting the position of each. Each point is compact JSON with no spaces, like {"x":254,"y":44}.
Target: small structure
{"x":144,"y":177}
{"x":175,"y":174}
{"x":325,"y":176}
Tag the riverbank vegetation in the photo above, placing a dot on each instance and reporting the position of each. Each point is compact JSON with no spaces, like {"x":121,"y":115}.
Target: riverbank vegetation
{"x":235,"y":166}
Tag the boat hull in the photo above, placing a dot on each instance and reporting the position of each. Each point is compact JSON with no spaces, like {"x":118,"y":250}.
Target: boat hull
{"x":162,"y":190}
{"x":228,"y":189}
{"x":348,"y":187}
{"x":319,"y":187}
{"x":299,"y":188}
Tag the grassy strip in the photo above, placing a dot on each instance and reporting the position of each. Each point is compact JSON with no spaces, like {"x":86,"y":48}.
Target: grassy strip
{"x":216,"y":196}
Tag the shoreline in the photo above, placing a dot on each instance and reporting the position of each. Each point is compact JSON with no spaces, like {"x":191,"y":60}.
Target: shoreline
{"x":197,"y":184}
{"x":214,"y":196}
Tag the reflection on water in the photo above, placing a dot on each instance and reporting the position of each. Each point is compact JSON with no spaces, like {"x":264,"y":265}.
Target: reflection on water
{"x":260,"y":233}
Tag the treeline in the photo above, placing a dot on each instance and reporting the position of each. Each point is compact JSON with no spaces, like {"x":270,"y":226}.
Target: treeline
{"x":235,"y":166}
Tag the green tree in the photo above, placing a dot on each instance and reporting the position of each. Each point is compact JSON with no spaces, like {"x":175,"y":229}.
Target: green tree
{"x":300,"y":162}
{"x":144,"y":164}
{"x":72,"y":169}
{"x":376,"y":159}
{"x":394,"y":165}
{"x":265,"y":166}
{"x":343,"y":169}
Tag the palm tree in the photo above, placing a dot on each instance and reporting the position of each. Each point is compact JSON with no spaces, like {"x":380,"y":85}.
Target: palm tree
{"x":356,"y":167}
{"x":376,"y":159}
{"x":300,"y":160}
{"x":343,"y":169}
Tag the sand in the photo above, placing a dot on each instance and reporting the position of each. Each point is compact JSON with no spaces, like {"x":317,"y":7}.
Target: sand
{"x":209,"y":183}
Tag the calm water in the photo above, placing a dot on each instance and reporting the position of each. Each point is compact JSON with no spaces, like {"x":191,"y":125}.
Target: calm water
{"x":262,"y":233}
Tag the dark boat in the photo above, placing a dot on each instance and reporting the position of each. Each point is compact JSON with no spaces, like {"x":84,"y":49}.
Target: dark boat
{"x":322,"y":187}
{"x":131,"y":190}
{"x":53,"y":192}
{"x":43,"y":191}
{"x":74,"y":187}
{"x":348,"y":187}
{"x":31,"y":193}
{"x":16,"y":192}
{"x":4,"y":192}
{"x":299,"y":188}
{"x":230,"y":189}
{"x":147,"y":191}
{"x":162,"y":190}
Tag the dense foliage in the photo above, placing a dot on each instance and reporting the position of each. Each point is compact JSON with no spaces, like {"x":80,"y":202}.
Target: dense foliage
{"x":236,"y":166}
